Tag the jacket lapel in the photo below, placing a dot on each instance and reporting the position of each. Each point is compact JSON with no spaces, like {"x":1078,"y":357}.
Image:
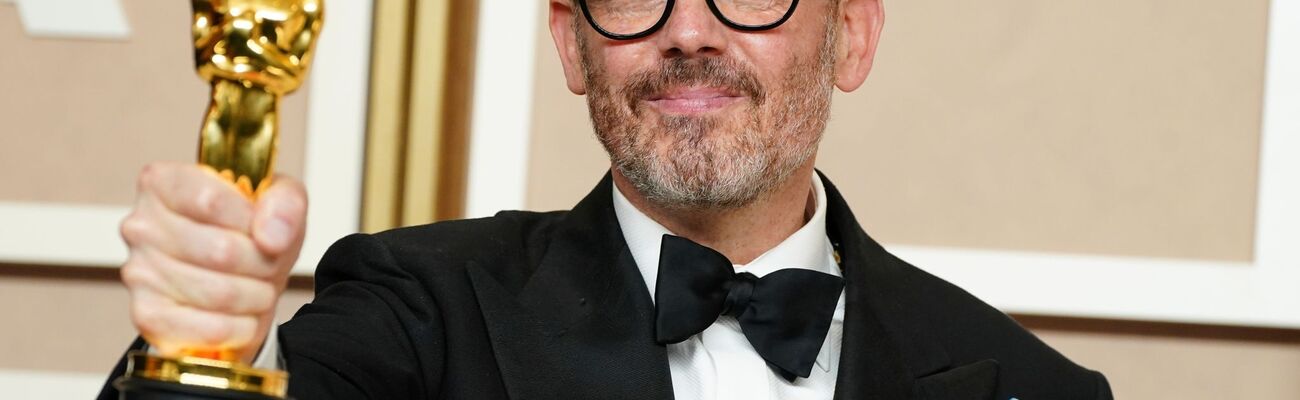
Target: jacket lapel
{"x":582,"y":326}
{"x":885,"y":347}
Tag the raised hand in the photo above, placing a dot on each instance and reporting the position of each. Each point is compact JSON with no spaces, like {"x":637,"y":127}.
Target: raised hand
{"x":207,"y":265}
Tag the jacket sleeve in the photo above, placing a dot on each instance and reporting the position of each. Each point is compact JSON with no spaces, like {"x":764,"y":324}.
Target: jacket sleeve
{"x":108,"y":392}
{"x":1103,"y":387}
{"x":373,"y":330}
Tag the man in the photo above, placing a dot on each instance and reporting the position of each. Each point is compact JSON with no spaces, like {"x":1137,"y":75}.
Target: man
{"x":712,"y":262}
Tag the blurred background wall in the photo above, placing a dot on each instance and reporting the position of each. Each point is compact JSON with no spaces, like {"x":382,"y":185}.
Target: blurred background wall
{"x":1126,"y":128}
{"x":1108,"y":128}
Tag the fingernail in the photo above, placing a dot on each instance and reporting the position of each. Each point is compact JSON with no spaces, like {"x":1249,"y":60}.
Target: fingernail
{"x":275,"y":232}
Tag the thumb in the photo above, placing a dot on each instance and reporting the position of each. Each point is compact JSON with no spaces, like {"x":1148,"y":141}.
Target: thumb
{"x":280,"y":216}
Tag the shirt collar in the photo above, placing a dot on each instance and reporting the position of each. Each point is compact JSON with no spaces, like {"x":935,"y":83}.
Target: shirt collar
{"x":806,"y":248}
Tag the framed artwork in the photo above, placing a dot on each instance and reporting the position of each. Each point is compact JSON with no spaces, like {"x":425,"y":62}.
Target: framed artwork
{"x":1260,"y":292}
{"x":1252,"y":283}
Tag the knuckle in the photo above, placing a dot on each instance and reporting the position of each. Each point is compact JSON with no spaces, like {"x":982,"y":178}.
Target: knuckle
{"x":148,"y":176}
{"x":263,"y":297}
{"x":220,"y":331}
{"x":146,"y":318}
{"x":276,"y":274}
{"x":243,"y":329}
{"x":222,"y":253}
{"x":221,"y":294}
{"x":132,"y":274}
{"x":133,"y":228}
{"x":206,"y":201}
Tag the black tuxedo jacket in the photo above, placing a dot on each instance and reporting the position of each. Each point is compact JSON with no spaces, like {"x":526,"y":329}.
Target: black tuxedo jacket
{"x":551,"y":306}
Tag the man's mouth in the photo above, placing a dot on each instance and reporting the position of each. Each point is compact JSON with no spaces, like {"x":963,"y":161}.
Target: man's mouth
{"x":693,"y":100}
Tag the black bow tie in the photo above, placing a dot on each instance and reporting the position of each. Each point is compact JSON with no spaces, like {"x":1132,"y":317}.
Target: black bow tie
{"x":785,"y":315}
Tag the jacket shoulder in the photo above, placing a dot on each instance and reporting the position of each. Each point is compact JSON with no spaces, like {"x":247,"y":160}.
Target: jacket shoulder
{"x":508,"y":244}
{"x":971,"y":330}
{"x":502,"y":231}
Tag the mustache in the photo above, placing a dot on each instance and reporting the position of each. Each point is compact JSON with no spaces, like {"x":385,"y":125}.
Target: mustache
{"x":717,"y":72}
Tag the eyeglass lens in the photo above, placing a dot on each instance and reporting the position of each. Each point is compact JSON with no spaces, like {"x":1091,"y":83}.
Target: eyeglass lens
{"x":631,"y":17}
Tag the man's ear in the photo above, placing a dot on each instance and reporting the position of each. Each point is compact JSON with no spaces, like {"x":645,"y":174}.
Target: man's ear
{"x":860,"y":25}
{"x":566,"y":43}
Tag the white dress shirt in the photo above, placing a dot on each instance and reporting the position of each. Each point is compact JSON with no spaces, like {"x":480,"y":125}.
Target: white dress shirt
{"x":719,"y":363}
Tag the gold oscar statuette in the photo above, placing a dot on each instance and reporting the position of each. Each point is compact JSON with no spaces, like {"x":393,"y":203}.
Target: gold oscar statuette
{"x":253,"y":52}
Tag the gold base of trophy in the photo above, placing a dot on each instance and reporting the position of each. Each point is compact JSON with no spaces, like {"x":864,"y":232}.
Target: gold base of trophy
{"x":203,"y":374}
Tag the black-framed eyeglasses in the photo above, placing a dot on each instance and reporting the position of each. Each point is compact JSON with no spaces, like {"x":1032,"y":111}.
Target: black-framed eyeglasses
{"x":635,"y":19}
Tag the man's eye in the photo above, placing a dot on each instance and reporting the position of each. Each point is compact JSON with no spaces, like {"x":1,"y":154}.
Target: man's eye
{"x":758,"y":5}
{"x":627,"y":4}
{"x":626,"y":8}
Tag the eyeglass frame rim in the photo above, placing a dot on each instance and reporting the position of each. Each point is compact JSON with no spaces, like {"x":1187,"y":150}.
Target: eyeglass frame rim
{"x":668,"y":11}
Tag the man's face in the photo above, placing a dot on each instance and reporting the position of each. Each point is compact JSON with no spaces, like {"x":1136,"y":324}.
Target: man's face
{"x":699,"y":115}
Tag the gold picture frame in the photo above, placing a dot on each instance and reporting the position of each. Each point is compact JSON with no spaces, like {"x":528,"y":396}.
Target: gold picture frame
{"x":417,"y":132}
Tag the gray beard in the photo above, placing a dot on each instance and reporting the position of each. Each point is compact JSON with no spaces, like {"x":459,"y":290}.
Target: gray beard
{"x":697,"y":174}
{"x":701,"y":168}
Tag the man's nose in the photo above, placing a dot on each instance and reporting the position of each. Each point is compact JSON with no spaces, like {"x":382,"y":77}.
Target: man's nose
{"x":692,"y":31}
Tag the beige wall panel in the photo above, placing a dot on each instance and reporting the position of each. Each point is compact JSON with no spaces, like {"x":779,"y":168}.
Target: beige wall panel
{"x":565,"y":159}
{"x":1113,"y":127}
{"x":1108,"y":127}
{"x":78,"y":118}
{"x":1145,"y":367}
